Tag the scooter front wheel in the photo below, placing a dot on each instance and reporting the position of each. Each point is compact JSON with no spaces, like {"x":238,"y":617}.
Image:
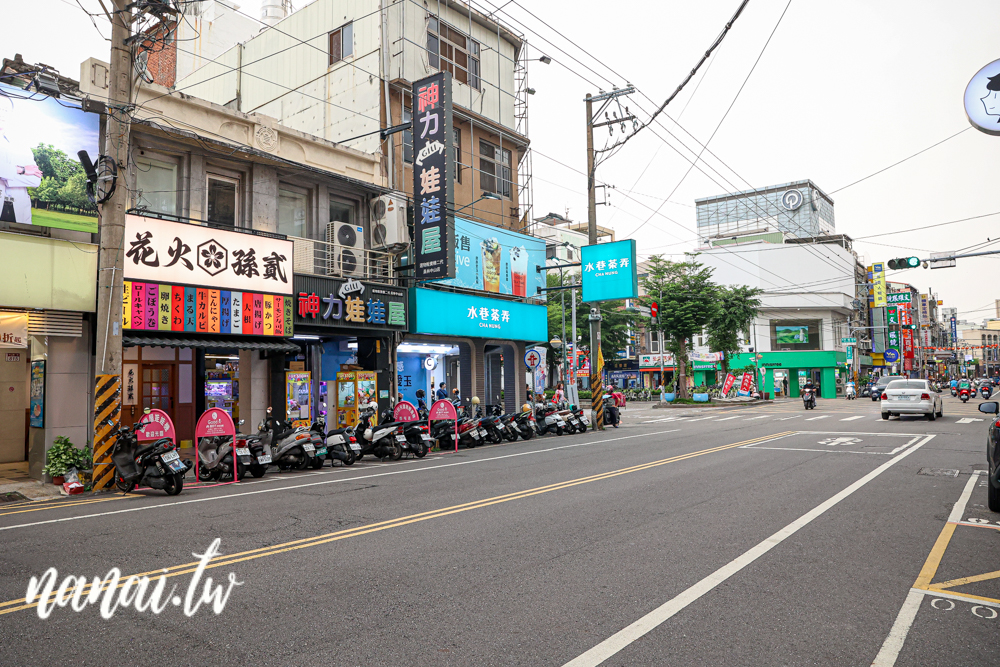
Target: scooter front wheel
{"x":206,"y":475}
{"x":178,"y":484}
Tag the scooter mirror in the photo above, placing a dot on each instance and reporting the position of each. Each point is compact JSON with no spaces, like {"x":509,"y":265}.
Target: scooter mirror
{"x":269,"y":411}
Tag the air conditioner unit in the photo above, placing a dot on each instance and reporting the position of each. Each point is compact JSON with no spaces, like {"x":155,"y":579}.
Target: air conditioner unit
{"x":346,"y":255}
{"x":389,"y":222}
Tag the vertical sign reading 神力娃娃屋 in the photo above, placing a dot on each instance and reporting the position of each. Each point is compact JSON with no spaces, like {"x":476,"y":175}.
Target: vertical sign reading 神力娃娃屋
{"x":433,"y":193}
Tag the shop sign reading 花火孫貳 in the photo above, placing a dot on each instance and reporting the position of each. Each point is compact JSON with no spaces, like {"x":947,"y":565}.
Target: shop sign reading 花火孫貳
{"x":608,"y":271}
{"x":338,"y":303}
{"x":156,"y":307}
{"x":453,"y":314}
{"x":178,"y":253}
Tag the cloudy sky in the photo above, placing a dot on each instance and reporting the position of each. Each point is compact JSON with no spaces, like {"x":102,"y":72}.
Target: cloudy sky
{"x":842,"y":91}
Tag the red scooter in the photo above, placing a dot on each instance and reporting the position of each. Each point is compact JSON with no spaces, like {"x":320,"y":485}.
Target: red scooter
{"x":963,"y":394}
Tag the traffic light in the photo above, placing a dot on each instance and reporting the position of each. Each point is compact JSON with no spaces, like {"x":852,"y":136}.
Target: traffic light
{"x":908,"y":326}
{"x":904,"y":263}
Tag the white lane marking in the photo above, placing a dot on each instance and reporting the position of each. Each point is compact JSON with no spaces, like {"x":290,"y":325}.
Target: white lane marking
{"x":784,"y":419}
{"x":893,"y":644}
{"x":850,"y":419}
{"x":661,"y":614}
{"x":665,"y":419}
{"x":812,"y":419}
{"x":725,"y":419}
{"x":329,"y":481}
{"x":968,"y":420}
{"x":761,"y":417}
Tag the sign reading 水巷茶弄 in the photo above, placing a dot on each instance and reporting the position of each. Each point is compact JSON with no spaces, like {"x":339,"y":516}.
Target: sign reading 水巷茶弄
{"x":433,"y":175}
{"x":608,"y":271}
{"x":178,"y":253}
{"x":454,"y":314}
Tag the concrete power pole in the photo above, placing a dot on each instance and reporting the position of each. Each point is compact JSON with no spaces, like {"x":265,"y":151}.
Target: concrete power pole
{"x":107,"y":388}
{"x":596,"y":390}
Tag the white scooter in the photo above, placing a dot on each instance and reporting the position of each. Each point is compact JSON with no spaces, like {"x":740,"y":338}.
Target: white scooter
{"x":291,"y":448}
{"x":849,"y":391}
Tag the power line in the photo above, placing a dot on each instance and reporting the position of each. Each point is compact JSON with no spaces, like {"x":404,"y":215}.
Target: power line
{"x":917,"y":229}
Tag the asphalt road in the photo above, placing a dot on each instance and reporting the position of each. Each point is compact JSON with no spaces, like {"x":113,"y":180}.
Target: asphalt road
{"x":761,"y":536}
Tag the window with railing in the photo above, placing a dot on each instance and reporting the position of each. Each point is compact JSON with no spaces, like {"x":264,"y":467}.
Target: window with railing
{"x":450,"y":50}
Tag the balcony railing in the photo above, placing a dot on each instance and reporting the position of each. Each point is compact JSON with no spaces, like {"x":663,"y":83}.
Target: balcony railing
{"x":320,"y":258}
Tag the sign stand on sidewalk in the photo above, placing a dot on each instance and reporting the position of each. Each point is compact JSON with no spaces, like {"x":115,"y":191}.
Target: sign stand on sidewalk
{"x":443,"y":409}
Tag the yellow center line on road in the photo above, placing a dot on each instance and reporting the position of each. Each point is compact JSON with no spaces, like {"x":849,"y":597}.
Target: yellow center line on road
{"x":54,"y":506}
{"x":177,"y":570}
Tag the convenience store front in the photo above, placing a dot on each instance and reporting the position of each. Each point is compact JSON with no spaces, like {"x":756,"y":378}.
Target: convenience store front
{"x":825,"y":367}
{"x":206,"y":316}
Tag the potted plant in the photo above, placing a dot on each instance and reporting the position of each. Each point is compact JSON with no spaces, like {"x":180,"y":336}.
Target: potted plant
{"x":62,"y":456}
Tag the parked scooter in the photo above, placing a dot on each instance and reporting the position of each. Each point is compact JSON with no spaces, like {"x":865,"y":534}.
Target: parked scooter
{"x":153,"y":464}
{"x":569,"y":416}
{"x":291,"y":448}
{"x":342,"y":445}
{"x":379,"y":440}
{"x":215,"y":458}
{"x":809,"y":399}
{"x":524,"y":421}
{"x":548,"y":420}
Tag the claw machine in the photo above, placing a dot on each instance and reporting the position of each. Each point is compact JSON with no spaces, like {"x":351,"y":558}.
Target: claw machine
{"x":298,"y":397}
{"x":354,"y":389}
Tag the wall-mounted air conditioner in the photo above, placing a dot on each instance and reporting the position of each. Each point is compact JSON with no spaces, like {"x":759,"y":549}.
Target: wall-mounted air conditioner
{"x":389,"y":222}
{"x":347,"y":256}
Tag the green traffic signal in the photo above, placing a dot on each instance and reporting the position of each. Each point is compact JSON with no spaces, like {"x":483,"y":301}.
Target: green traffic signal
{"x":904,"y":263}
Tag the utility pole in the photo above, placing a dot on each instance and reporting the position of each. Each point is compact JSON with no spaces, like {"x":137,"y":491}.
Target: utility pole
{"x":596,"y":370}
{"x":107,"y":387}
{"x":596,"y":390}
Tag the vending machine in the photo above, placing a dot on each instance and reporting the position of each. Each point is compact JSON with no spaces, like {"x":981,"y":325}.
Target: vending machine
{"x":354,"y":389}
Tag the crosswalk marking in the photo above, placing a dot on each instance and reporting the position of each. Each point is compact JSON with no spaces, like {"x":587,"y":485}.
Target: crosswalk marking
{"x":850,"y":419}
{"x":968,"y":420}
{"x":812,"y":419}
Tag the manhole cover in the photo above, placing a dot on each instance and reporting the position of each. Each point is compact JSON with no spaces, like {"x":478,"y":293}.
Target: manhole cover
{"x":12,"y":497}
{"x":938,"y":472}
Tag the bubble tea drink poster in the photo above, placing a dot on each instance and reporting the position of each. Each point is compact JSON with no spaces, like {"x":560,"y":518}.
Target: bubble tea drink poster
{"x":496,"y":260}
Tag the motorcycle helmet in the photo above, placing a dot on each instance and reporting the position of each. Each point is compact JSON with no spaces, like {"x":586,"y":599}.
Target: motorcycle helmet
{"x":368,"y":434}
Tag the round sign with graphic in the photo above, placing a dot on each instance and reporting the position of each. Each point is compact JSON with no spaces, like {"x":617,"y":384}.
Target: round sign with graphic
{"x":791,"y":199}
{"x":430,"y":363}
{"x":405,"y":412}
{"x":214,"y":422}
{"x":982,"y":99}
{"x":156,"y":424}
{"x":891,"y":354}
{"x":532,"y":359}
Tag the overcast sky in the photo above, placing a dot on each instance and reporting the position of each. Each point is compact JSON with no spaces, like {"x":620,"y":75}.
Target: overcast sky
{"x":843,"y":90}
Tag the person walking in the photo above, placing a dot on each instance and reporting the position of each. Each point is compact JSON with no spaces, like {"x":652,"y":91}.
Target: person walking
{"x":442,"y":392}
{"x":560,"y":394}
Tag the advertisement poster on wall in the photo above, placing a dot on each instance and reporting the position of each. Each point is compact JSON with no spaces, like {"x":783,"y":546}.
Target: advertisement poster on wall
{"x":38,"y":394}
{"x":792,"y":335}
{"x":14,"y":330}
{"x":541,"y":373}
{"x":41,"y":180}
{"x":495,"y":260}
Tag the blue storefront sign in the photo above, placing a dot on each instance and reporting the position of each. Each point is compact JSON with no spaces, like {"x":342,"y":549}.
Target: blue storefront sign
{"x":608,"y":271}
{"x":495,"y":260}
{"x":477,"y":316}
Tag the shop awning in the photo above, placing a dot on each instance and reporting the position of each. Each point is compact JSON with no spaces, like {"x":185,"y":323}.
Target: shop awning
{"x":238,"y":342}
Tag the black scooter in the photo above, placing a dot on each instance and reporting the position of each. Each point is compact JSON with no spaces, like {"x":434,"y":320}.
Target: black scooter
{"x":153,"y":464}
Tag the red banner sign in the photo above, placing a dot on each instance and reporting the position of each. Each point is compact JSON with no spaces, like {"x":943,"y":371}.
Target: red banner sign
{"x":746,"y":384}
{"x":156,"y":424}
{"x":406,"y":412}
{"x":728,"y":384}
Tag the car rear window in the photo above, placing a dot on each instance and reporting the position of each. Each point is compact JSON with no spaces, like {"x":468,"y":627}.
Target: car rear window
{"x":907,"y":384}
{"x":886,"y":380}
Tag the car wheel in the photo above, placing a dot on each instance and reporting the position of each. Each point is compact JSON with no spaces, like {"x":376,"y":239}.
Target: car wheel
{"x":931,"y":416}
{"x":885,"y":415}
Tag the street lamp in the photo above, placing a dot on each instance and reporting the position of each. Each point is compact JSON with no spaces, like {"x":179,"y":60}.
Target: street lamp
{"x":557,"y":344}
{"x":486,"y":195}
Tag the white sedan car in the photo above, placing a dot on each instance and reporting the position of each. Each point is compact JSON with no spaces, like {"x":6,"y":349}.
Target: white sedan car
{"x":911,"y":397}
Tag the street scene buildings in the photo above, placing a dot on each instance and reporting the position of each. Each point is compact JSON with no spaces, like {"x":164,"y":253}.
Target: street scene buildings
{"x":261,"y":255}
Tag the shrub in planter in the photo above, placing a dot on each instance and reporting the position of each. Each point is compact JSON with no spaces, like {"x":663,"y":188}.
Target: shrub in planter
{"x":63,"y":455}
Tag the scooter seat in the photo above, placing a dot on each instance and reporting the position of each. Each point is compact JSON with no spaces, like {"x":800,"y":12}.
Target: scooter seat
{"x":337,"y":431}
{"x":145,"y":449}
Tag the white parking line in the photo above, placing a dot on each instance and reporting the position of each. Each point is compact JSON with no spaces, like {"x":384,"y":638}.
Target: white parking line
{"x":850,"y":419}
{"x":664,"y":612}
{"x":893,"y":644}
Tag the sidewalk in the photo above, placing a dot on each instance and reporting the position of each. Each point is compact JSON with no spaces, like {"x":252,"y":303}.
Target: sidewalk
{"x":14,"y":479}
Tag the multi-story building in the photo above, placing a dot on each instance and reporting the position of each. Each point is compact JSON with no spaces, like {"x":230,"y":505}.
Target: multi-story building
{"x":788,"y":210}
{"x":343,"y":71}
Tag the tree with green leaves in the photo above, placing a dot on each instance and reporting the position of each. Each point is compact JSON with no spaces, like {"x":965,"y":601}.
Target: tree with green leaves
{"x":738,"y":305}
{"x":687,"y":300}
